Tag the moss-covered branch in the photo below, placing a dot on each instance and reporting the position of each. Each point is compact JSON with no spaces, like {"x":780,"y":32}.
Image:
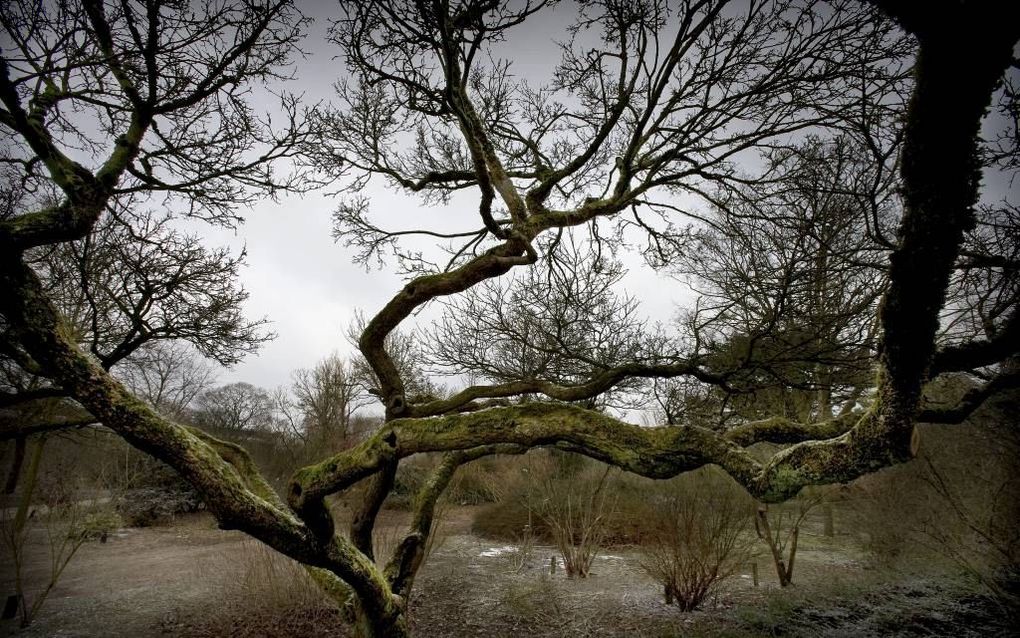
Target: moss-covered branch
{"x":785,"y":430}
{"x":363,"y":522}
{"x":223,"y":473}
{"x":652,"y":452}
{"x":410,"y":553}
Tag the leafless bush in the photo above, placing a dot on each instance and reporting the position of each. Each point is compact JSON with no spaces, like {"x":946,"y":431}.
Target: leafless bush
{"x":263,"y":593}
{"x":575,"y":511}
{"x":885,"y":511}
{"x":975,"y":514}
{"x":522,"y":549}
{"x":272,"y":581}
{"x":696,"y":537}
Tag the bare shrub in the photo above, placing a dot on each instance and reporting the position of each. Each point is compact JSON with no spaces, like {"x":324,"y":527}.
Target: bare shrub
{"x":538,"y":601}
{"x":272,"y":581}
{"x":575,"y":510}
{"x":696,"y":536}
{"x":522,"y":549}
{"x":945,"y":510}
{"x":885,"y":511}
{"x":475,"y":484}
{"x":975,"y":511}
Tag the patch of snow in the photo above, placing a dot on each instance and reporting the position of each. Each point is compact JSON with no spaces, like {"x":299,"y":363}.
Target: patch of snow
{"x":498,"y":551}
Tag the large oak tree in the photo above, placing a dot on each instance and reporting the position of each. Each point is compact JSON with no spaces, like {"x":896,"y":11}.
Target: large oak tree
{"x":650,"y":110}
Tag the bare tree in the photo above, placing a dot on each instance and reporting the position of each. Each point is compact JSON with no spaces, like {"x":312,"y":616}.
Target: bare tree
{"x":650,"y":104}
{"x":781,"y":531}
{"x":560,"y":322}
{"x":168,"y":375}
{"x":575,"y":510}
{"x":789,"y":275}
{"x":327,"y":396}
{"x":234,"y":407}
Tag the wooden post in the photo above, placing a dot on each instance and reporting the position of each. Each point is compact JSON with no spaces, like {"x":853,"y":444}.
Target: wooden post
{"x":754,"y":572}
{"x":552,"y":564}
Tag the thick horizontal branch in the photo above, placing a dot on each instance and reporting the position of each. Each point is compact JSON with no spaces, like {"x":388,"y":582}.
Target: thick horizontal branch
{"x":657,"y":453}
{"x":971,"y":400}
{"x":979,"y":353}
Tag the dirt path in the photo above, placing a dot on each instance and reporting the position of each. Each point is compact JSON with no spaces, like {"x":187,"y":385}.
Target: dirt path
{"x":135,"y":584}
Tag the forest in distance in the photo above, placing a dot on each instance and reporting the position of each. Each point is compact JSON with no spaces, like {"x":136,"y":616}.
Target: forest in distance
{"x":509,"y":317}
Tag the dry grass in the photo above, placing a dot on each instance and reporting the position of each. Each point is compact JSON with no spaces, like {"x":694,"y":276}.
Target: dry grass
{"x":263,"y":593}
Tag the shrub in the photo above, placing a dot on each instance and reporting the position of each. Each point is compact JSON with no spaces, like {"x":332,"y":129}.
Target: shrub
{"x":99,"y":523}
{"x":696,"y":536}
{"x":515,"y":493}
{"x":148,"y":506}
{"x":574,"y":510}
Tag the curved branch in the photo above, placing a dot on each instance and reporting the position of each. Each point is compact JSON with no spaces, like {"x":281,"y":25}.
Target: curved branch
{"x":516,"y":250}
{"x":980,"y":353}
{"x":971,"y":400}
{"x":410,"y":553}
{"x":597,"y":385}
{"x":784,"y":430}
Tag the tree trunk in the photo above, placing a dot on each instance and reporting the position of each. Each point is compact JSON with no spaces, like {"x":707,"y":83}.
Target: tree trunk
{"x":363,"y":626}
{"x":16,"y":463}
{"x":784,"y":569}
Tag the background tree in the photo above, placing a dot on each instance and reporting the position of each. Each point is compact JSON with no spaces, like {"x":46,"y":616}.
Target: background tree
{"x":327,"y":396}
{"x":167,"y":375}
{"x":234,"y":407}
{"x":788,"y":276}
{"x":558,"y":323}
